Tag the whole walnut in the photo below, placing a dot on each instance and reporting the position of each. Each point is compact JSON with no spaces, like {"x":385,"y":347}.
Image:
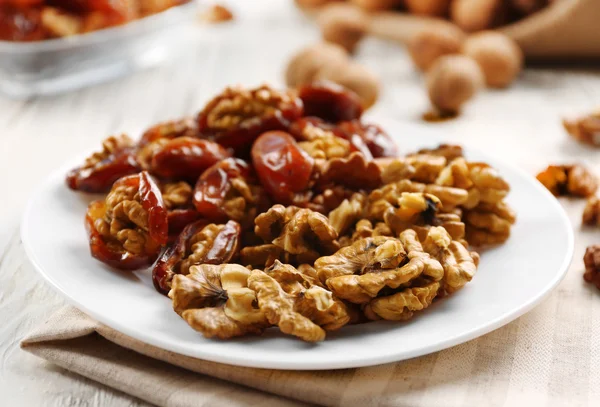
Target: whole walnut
{"x":376,"y":5}
{"x":428,"y":7}
{"x":355,"y":77}
{"x":343,"y":24}
{"x":432,"y":42}
{"x":499,"y":57}
{"x":452,"y":81}
{"x":477,"y":15}
{"x":304,"y":66}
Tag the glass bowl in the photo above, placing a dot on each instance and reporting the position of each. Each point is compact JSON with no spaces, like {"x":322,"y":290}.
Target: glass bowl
{"x":59,"y":65}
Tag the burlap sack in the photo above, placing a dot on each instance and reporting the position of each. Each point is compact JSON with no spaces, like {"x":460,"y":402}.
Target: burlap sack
{"x":566,"y":30}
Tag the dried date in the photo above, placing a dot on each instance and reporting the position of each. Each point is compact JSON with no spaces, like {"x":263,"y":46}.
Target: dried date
{"x":379,"y":143}
{"x":283,"y":168}
{"x":102,"y":169}
{"x":330,"y":102}
{"x":185,"y":158}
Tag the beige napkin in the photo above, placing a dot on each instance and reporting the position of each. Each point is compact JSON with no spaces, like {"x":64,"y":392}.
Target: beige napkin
{"x":549,"y":357}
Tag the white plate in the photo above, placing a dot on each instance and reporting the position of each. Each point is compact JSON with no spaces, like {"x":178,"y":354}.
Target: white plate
{"x":511,"y":280}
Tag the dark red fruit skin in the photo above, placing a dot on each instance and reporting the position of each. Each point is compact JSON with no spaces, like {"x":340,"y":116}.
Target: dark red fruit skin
{"x":330,"y":102}
{"x":376,"y":139}
{"x":283,"y":168}
{"x":101,"y":177}
{"x":152,"y":202}
{"x":356,"y":141}
{"x":214,"y":184}
{"x":178,"y":219}
{"x":240,"y":138}
{"x":186,"y":158}
{"x":225,"y":248}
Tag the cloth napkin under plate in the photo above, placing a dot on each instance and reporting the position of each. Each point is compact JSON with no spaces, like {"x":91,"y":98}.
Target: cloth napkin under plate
{"x":549,"y":357}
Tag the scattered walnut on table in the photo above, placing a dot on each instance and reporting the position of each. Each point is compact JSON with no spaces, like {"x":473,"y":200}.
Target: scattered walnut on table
{"x":591,"y":259}
{"x":591,"y":212}
{"x":585,"y":129}
{"x":216,"y":301}
{"x":571,"y":180}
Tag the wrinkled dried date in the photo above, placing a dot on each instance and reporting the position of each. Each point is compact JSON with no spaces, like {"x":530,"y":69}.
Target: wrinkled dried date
{"x":100,"y":176}
{"x":224,"y":248}
{"x":330,"y":102}
{"x":380,"y":143}
{"x":283,"y":168}
{"x":186,"y":158}
{"x":214,"y":187}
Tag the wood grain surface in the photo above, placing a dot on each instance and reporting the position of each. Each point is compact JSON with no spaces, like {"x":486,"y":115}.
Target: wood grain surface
{"x":521,"y":125}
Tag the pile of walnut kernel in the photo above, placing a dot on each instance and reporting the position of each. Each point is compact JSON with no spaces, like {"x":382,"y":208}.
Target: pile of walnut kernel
{"x":284,"y":209}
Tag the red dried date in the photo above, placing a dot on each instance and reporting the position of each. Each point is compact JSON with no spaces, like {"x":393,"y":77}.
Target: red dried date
{"x":219,"y":189}
{"x":330,"y":102}
{"x":102,"y":169}
{"x":186,"y":158}
{"x":152,"y":202}
{"x":20,"y":23}
{"x":377,"y":140}
{"x":283,"y":168}
{"x":179,"y":218}
{"x":236,"y":117}
{"x":224,"y":246}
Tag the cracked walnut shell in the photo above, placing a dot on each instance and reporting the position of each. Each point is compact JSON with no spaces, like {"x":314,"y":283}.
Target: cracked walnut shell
{"x":216,"y":301}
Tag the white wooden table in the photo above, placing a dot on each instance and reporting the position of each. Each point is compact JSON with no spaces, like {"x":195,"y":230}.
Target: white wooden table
{"x":522,"y":125}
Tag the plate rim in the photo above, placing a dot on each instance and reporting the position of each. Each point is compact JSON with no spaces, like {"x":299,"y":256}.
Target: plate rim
{"x":357,"y":361}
